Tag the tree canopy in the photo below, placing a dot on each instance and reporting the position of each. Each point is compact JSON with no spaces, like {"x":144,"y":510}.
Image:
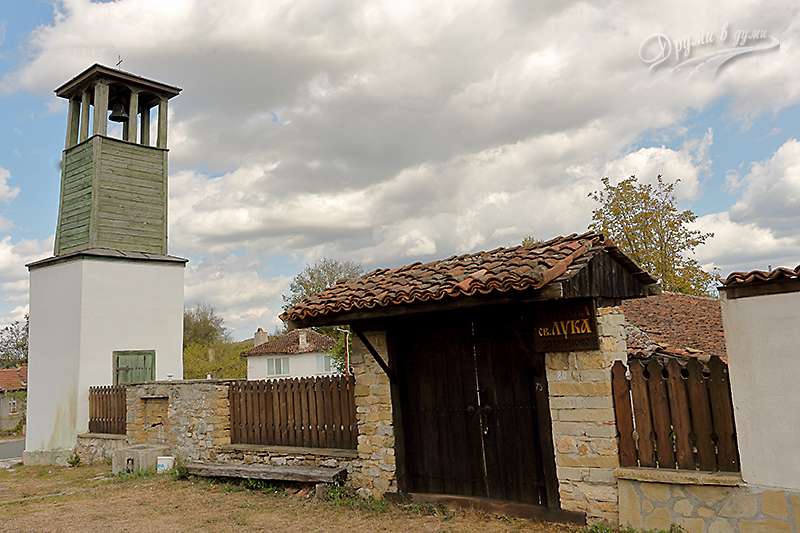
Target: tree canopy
{"x":315,"y":278}
{"x":208,"y":346}
{"x":14,"y":344}
{"x":645,"y":223}
{"x":202,"y":325}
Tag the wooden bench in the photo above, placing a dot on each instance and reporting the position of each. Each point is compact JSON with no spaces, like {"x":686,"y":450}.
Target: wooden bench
{"x":305,"y":474}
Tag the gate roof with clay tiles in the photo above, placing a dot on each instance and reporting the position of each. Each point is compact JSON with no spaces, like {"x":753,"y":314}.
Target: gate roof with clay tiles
{"x":576,"y":266}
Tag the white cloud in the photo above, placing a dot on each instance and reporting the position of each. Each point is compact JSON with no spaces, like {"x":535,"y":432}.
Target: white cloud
{"x":744,"y":246}
{"x":689,"y":165}
{"x":245,"y":299}
{"x":771,"y":197}
{"x":14,"y":275}
{"x":7,"y":193}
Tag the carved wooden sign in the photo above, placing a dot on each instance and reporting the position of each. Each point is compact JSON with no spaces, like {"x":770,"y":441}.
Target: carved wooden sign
{"x":565,"y":326}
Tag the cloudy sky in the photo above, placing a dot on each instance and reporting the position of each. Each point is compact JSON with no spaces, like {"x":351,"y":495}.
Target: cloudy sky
{"x":394,"y":132}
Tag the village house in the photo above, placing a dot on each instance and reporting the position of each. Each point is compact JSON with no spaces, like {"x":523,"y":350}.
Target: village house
{"x":299,"y":353}
{"x":13,"y":389}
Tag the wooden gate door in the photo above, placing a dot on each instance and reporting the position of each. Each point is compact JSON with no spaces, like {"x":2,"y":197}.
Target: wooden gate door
{"x":470,"y":391}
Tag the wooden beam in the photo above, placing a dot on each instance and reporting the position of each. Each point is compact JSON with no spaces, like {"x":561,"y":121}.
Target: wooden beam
{"x":307,"y":474}
{"x":145,"y":134}
{"x":86,"y":102}
{"x":161,"y":142}
{"x":375,"y":355}
{"x":133,"y":115}
{"x":73,"y":122}
{"x":100,"y":126}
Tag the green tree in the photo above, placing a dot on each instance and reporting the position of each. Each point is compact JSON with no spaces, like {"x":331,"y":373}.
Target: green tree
{"x":529,"y":240}
{"x":14,"y":344}
{"x":202,"y":325}
{"x":316,"y":278}
{"x":221,"y":360}
{"x":645,"y":223}
{"x":208,"y":346}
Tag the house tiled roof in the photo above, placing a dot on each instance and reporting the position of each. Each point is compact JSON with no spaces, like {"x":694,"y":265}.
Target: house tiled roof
{"x":757,"y":276}
{"x":290,"y":344}
{"x":680,"y":324}
{"x":497,"y":271}
{"x":13,"y":378}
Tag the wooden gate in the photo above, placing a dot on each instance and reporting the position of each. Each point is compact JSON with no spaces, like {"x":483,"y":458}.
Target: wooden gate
{"x":476,"y":420}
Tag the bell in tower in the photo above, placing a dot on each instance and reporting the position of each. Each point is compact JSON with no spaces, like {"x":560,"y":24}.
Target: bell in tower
{"x":107,"y":308}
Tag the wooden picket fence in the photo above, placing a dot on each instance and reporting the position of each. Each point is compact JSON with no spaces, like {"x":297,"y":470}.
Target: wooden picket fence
{"x":317,"y":412}
{"x":107,"y":409}
{"x":675,"y":415}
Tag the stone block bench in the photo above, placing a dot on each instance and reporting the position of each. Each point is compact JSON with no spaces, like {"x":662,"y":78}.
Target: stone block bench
{"x":305,"y":474}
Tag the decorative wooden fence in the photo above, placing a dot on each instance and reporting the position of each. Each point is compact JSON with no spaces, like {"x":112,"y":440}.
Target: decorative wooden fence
{"x":317,"y":412}
{"x":681,"y":416}
{"x":107,"y":409}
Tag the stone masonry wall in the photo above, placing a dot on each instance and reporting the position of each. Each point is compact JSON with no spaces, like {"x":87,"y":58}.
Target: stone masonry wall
{"x":584,"y":424}
{"x":375,"y":469}
{"x":191,"y":417}
{"x":699,"y":505}
{"x":197,"y":417}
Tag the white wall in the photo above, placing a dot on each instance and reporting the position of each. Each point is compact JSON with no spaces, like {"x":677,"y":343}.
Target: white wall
{"x":82,"y":311}
{"x":300,"y":365}
{"x":762,"y":336}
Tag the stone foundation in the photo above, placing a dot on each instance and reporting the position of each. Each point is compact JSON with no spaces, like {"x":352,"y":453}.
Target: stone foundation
{"x":98,"y":447}
{"x":704,"y":502}
{"x":46,"y":457}
{"x":584,"y":423}
{"x":288,"y":456}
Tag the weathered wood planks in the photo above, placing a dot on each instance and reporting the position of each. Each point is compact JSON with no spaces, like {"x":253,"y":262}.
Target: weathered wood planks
{"x":114,"y":195}
{"x":307,"y":474}
{"x":310,"y":412}
{"x":682,"y":415}
{"x":107,"y":409}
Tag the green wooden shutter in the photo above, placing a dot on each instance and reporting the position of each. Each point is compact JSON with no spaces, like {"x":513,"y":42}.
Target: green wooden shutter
{"x":134,"y":366}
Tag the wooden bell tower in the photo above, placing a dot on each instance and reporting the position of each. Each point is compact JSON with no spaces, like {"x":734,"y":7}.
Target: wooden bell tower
{"x":107,"y":308}
{"x":114,"y":191}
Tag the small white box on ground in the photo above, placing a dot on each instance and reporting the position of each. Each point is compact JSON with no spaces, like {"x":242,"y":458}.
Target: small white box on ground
{"x":164,"y":464}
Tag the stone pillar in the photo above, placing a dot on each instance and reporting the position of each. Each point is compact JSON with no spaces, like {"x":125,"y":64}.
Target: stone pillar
{"x":584,"y":423}
{"x":162,"y":123}
{"x":375,"y":469}
{"x":133,"y":113}
{"x":145,"y":133}
{"x":86,"y":100}
{"x":73,"y":122}
{"x":100,"y":109}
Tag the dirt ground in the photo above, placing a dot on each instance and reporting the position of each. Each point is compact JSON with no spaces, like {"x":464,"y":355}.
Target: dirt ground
{"x":89,"y":499}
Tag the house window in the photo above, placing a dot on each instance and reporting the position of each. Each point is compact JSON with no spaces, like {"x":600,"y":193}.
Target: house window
{"x":278,"y":366}
{"x":12,"y":405}
{"x":323,"y":364}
